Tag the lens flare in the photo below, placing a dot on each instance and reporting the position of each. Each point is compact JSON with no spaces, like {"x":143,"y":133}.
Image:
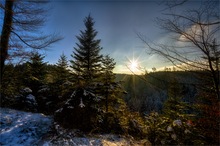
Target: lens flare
{"x":133,"y":65}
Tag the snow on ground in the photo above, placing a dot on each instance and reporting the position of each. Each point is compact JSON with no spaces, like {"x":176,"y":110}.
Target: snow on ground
{"x":104,"y":140}
{"x":18,"y":128}
{"x":22,"y":128}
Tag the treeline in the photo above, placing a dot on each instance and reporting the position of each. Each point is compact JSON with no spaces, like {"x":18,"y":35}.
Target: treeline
{"x":149,"y":92}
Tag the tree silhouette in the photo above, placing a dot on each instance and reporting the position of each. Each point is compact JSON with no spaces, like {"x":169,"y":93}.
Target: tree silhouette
{"x":86,"y":56}
{"x":197,"y":35}
{"x":35,"y":73}
{"x":62,"y":72}
{"x":21,"y":29}
{"x":108,"y":77}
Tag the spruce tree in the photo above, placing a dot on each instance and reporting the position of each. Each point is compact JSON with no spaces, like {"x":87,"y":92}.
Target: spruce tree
{"x":108,"y":66}
{"x":108,"y":76}
{"x":35,"y":79}
{"x":35,"y":73}
{"x":86,"y":56}
{"x":83,"y":106}
{"x":59,"y":87}
{"x":62,"y":75}
{"x":62,"y":72}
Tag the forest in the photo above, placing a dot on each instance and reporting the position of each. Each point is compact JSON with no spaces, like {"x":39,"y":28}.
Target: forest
{"x":84,"y":96}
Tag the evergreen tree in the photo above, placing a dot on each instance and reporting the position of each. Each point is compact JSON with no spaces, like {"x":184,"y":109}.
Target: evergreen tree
{"x":35,"y":73}
{"x":9,"y":85}
{"x":62,"y":72}
{"x":34,"y":79}
{"x":108,"y":66}
{"x":86,"y":58}
{"x":84,"y":103}
{"x":108,"y":77}
{"x":60,"y":86}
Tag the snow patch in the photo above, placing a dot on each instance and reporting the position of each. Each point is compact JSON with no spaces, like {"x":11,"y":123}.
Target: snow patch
{"x":45,"y":89}
{"x":18,"y":128}
{"x":31,"y":98}
{"x":82,"y":105}
{"x":22,"y":128}
{"x":73,"y":94}
{"x":27,"y":90}
{"x":70,"y":107}
{"x":59,"y":110}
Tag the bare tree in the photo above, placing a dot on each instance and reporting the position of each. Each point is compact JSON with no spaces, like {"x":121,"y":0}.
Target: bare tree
{"x":196,"y":33}
{"x":172,"y":3}
{"x":20,"y":33}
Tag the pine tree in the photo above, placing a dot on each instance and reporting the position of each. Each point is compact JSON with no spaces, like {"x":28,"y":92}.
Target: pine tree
{"x":108,"y":77}
{"x":35,"y":73}
{"x":108,"y":66}
{"x":60,"y":85}
{"x":62,"y":72}
{"x":86,"y":57}
{"x":83,"y":106}
{"x":35,"y":78}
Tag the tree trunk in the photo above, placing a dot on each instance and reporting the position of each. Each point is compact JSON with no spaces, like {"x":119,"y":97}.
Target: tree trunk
{"x":5,"y":34}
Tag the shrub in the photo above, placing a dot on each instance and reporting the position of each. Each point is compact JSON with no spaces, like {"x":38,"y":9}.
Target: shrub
{"x":120,"y":120}
{"x":166,"y":131}
{"x":26,"y":101}
{"x":208,"y":118}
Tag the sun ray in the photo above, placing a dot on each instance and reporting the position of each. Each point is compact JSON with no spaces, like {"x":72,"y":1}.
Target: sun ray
{"x":133,"y":65}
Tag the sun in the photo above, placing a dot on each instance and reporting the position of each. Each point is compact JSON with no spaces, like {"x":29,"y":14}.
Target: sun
{"x":133,"y":65}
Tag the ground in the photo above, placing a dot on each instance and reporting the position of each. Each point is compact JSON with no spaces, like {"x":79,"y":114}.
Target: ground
{"x":26,"y":128}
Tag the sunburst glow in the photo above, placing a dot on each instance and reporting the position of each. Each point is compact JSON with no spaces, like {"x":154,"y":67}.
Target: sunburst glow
{"x":133,"y":65}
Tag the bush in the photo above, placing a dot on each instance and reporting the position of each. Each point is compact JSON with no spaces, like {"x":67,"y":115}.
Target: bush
{"x":120,"y":120}
{"x":208,"y":118}
{"x":26,"y":101}
{"x":166,"y":131}
{"x":174,"y":126}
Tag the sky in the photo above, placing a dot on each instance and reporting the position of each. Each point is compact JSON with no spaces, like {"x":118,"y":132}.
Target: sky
{"x":117,"y":24}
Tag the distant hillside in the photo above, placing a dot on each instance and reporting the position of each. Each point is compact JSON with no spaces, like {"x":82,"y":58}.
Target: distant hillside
{"x":148,"y":92}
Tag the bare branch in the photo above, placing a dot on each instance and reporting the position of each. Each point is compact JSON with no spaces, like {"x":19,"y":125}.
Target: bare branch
{"x":170,"y":4}
{"x":193,"y":20}
{"x":197,"y":27}
{"x":45,"y":41}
